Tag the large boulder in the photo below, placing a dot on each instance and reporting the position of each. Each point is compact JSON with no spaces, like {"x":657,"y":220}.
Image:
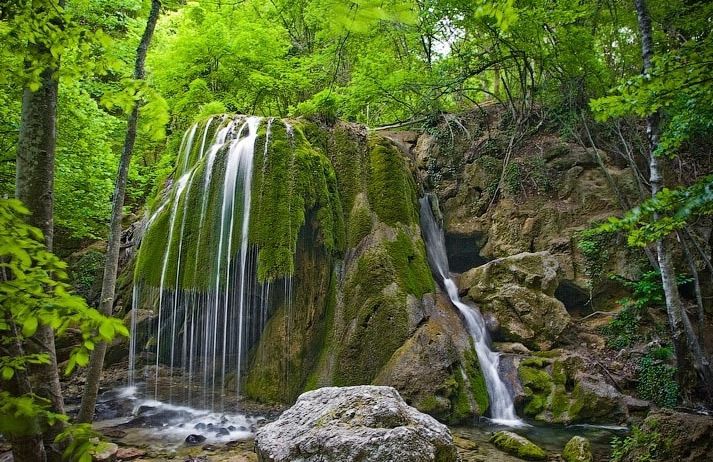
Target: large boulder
{"x":437,"y":369}
{"x":361,"y":423}
{"x":519,"y":291}
{"x":565,"y":390}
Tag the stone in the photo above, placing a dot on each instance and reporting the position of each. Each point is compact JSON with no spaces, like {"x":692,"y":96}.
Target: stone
{"x":222,"y":432}
{"x":105,"y":452}
{"x":362,"y":423}
{"x":670,"y":435}
{"x":193,"y":439}
{"x":578,"y":449}
{"x":519,"y":292}
{"x":129,"y":453}
{"x":517,"y":445}
{"x":424,"y":369}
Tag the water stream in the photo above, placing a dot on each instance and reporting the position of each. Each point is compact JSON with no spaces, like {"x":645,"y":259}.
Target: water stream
{"x":502,"y":410}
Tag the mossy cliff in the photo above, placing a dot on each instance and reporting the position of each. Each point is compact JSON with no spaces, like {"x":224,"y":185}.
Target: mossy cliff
{"x":336,"y":243}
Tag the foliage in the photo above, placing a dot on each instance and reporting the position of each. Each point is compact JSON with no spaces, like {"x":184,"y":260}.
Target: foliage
{"x":647,"y":292}
{"x":33,"y":293}
{"x":646,"y":445}
{"x":668,"y":211}
{"x":657,"y":380}
{"x":595,"y":250}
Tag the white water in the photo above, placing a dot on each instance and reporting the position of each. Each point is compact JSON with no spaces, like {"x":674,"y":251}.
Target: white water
{"x":201,"y":337}
{"x":502,"y":410}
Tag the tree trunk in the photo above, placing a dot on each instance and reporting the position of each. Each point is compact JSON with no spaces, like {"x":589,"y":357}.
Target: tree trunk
{"x":96,"y":363}
{"x":687,"y":349}
{"x":34,"y":183}
{"x":29,"y":446}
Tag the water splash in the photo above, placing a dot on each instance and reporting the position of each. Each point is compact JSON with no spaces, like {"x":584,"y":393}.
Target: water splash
{"x":502,"y":410}
{"x":208,"y":306}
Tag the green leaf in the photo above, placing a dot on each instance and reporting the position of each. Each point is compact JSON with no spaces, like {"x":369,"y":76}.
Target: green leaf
{"x":7,"y":372}
{"x":29,"y":327}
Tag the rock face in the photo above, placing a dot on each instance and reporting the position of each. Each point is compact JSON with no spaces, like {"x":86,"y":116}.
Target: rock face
{"x":517,"y":445}
{"x":561,"y":390}
{"x":538,"y":200}
{"x":437,"y":370}
{"x":667,"y":435}
{"x":578,"y":449}
{"x":519,"y":292}
{"x":361,"y":423}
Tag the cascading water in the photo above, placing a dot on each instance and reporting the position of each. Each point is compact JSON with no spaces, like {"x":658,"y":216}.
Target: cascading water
{"x":502,"y":410}
{"x":209,"y":307}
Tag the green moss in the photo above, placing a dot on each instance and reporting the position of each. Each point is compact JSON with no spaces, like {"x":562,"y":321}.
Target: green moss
{"x":535,"y":379}
{"x":292,"y":180}
{"x":409,"y":261}
{"x":360,"y":224}
{"x":559,"y":403}
{"x":392,"y":193}
{"x":517,"y":446}
{"x":478,"y":387}
{"x":535,"y":404}
{"x":461,"y":407}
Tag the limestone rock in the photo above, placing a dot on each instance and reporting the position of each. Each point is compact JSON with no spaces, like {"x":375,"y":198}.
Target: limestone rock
{"x":670,"y":435}
{"x":519,"y":291}
{"x":428,"y":369}
{"x":578,"y":449}
{"x":564,"y":390}
{"x":105,"y":452}
{"x":517,"y":445}
{"x":362,"y":423}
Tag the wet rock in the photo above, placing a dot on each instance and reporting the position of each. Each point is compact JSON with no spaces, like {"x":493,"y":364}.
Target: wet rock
{"x":517,"y":445}
{"x":519,"y":292}
{"x":232,"y":428}
{"x":222,"y":432}
{"x":426,"y":370}
{"x":129,"y":453}
{"x":200,"y":426}
{"x":193,"y":439}
{"x":365,"y":423}
{"x":145,"y":409}
{"x":105,"y":452}
{"x":564,"y":390}
{"x":578,"y":449}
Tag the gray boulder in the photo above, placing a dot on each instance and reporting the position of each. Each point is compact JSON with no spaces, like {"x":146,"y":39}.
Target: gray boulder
{"x":362,"y":423}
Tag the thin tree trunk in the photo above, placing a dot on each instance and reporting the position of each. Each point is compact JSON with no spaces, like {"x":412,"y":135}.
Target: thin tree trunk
{"x":685,"y":343}
{"x":96,"y":363}
{"x":34,"y":183}
{"x":29,"y":446}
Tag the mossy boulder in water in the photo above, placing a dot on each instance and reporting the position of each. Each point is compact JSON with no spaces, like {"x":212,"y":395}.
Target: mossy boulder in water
{"x":517,"y":445}
{"x":578,"y":449}
{"x":350,"y":424}
{"x":519,"y":291}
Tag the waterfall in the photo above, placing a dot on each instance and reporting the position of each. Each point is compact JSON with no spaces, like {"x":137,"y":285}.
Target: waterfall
{"x":502,"y":410}
{"x":208,"y":309}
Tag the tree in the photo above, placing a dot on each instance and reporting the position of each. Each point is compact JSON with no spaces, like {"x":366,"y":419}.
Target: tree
{"x":86,"y":412}
{"x":33,"y":295}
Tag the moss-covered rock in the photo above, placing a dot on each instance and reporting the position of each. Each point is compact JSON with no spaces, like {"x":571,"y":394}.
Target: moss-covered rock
{"x":519,"y":291}
{"x":559,"y":390}
{"x":517,"y":445}
{"x":578,"y":449}
{"x":436,"y":369}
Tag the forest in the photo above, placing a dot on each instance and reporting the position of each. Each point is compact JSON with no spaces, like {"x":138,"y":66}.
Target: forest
{"x":503,"y":209}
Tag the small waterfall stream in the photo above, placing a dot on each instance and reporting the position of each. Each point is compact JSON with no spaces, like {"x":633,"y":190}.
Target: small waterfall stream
{"x":502,"y":410}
